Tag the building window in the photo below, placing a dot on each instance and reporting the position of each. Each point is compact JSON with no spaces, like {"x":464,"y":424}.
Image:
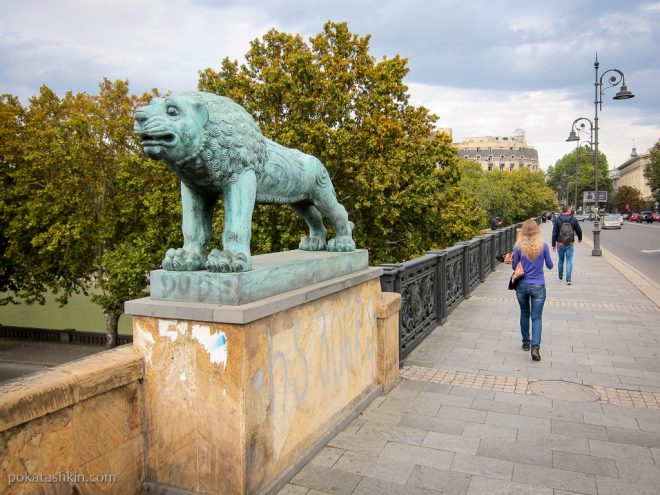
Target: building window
{"x":490,"y":158}
{"x":479,"y":159}
{"x":501,"y":166}
{"x":479,"y":149}
{"x":511,"y":167}
{"x":490,"y":166}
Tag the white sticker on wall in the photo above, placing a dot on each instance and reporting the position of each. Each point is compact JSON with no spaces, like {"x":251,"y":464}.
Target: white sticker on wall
{"x":171,"y":329}
{"x":215,"y":344}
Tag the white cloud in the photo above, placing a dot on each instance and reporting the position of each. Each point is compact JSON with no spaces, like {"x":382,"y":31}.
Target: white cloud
{"x":486,"y":67}
{"x":160,"y":44}
{"x":545,"y":116}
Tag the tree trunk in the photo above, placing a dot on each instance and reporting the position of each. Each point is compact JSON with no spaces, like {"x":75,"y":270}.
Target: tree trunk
{"x":111,"y":328}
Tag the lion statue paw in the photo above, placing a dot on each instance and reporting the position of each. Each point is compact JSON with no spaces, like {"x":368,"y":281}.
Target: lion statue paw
{"x":308,"y":243}
{"x":341,"y":243}
{"x":228,"y":261}
{"x":180,"y":260}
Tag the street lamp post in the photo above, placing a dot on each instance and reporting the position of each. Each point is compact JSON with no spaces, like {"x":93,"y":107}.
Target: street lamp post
{"x":580,"y":126}
{"x":590,"y":152}
{"x":564,"y":185}
{"x":577,"y":166}
{"x":616,"y":77}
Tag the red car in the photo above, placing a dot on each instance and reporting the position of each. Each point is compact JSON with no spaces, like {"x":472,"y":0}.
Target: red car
{"x":655,"y":216}
{"x":633,"y":217}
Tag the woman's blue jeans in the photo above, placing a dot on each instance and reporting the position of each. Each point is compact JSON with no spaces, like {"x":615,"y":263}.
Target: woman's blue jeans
{"x":531,"y":298}
{"x":565,"y":251}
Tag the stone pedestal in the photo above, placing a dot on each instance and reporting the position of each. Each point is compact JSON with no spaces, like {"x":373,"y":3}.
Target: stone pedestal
{"x":237,"y":398}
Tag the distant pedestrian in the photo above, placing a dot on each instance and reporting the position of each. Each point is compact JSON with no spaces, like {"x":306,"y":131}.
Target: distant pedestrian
{"x":564,"y":230}
{"x":533,"y":253}
{"x":496,"y":222}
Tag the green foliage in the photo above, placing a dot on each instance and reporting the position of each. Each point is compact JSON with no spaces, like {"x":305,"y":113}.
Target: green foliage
{"x":564,"y":185}
{"x":517,"y":195}
{"x":11,"y":120}
{"x":78,"y":196}
{"x":626,"y":195}
{"x":652,"y":172}
{"x":333,"y":100}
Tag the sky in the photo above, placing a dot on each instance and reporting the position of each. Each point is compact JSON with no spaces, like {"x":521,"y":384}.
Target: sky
{"x":485,"y":67}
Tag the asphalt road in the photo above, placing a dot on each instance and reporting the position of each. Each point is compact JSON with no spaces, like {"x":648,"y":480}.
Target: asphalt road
{"x":638,"y":244}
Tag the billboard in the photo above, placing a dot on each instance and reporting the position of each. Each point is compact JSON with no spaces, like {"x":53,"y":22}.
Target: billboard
{"x":589,"y":196}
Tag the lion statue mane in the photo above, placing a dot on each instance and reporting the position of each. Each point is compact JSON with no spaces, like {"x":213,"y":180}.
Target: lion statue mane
{"x":217,"y":150}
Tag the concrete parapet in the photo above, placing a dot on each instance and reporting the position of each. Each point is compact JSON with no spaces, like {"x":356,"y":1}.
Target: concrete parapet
{"x":388,"y":339}
{"x":76,"y":425}
{"x":233,"y":408}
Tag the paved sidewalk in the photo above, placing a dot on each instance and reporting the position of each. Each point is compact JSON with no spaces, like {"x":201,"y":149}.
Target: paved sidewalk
{"x":473,"y":414}
{"x":21,"y":357}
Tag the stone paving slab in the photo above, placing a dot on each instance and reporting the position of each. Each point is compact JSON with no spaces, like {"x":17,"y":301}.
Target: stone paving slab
{"x":466,"y":417}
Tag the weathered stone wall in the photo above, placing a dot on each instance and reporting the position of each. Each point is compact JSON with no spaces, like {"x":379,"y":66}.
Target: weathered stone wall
{"x":231,"y":407}
{"x":388,"y":339}
{"x":76,"y":425}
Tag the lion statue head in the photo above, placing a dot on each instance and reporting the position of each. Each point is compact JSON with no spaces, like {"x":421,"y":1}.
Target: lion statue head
{"x":204,"y":138}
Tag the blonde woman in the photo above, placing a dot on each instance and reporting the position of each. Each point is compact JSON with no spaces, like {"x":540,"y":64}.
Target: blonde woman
{"x":532,"y":252}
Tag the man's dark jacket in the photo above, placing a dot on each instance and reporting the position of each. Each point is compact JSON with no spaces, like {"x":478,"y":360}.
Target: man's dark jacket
{"x":561,"y":219}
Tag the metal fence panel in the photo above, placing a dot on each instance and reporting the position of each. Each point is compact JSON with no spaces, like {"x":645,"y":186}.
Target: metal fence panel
{"x":432,"y":285}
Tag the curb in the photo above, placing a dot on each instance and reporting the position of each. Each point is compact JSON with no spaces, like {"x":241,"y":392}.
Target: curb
{"x":645,"y":285}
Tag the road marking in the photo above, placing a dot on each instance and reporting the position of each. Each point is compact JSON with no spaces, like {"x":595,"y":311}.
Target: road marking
{"x":650,"y":251}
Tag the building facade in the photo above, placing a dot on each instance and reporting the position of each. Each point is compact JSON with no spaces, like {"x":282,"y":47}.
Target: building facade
{"x":500,"y":152}
{"x":631,"y":173}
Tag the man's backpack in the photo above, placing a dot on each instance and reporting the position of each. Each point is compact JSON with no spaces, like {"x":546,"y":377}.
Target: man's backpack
{"x":566,"y":233}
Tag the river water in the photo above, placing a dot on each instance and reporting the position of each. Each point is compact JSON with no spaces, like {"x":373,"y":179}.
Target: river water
{"x":80,"y":314}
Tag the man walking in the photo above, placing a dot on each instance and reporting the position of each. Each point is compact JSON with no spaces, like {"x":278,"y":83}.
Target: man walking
{"x":563,"y":237}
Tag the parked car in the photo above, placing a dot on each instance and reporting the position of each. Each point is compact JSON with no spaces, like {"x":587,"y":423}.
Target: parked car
{"x":633,"y":217}
{"x":612,"y":221}
{"x":656,"y":216}
{"x":625,"y":216}
{"x":645,"y":216}
{"x":579,"y":217}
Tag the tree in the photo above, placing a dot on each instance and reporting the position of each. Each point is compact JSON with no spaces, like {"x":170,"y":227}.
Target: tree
{"x":564,"y":185}
{"x":85,"y":211}
{"x":626,"y":195}
{"x":333,"y":100}
{"x":11,"y":121}
{"x":517,"y":195}
{"x":652,"y":172}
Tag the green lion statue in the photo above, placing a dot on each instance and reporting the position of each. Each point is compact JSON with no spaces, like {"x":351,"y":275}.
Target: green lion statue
{"x":218,"y":152}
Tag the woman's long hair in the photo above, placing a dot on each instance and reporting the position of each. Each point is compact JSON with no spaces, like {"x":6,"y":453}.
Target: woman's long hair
{"x":530,"y":242}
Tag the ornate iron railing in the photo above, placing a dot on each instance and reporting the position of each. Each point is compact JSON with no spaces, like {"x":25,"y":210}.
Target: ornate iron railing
{"x":432,"y":285}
